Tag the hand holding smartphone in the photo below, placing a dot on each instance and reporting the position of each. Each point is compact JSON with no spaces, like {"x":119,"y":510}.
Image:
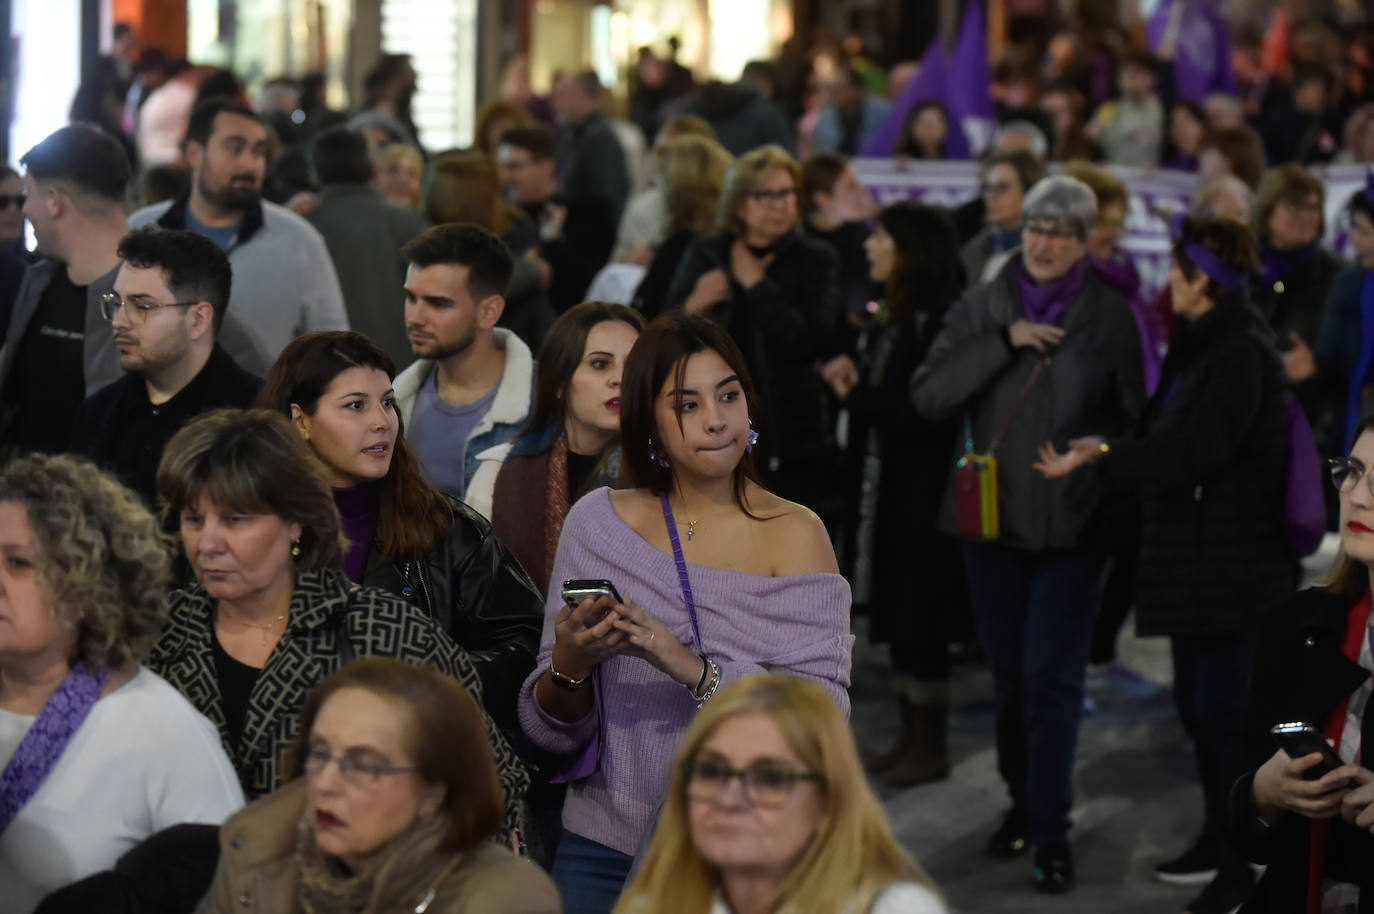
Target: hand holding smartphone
{"x":1300,"y":738}
{"x":577,"y":590}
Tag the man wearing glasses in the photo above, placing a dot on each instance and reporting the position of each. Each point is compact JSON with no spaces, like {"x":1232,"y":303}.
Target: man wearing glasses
{"x":164,"y":314}
{"x":55,"y":352}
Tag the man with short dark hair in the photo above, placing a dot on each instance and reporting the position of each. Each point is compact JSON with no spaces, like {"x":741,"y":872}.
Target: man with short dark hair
{"x":57,"y":350}
{"x":168,"y":304}
{"x":364,"y":234}
{"x":575,"y":235}
{"x":592,"y":162}
{"x":286,"y":285}
{"x":472,"y":384}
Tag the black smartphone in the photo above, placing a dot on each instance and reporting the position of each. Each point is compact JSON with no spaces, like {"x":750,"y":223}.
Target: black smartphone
{"x":575,"y":591}
{"x":1300,"y":738}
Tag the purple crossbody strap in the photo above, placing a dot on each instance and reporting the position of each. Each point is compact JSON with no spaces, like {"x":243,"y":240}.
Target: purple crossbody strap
{"x":681,"y":568}
{"x":38,"y":752}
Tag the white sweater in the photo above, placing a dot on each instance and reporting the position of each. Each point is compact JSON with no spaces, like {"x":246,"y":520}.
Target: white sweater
{"x":141,"y":761}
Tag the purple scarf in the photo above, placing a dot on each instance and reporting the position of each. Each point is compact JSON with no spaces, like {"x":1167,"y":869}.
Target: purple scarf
{"x":358,"y":510}
{"x":42,"y":746}
{"x":1047,"y":302}
{"x":1278,"y":265}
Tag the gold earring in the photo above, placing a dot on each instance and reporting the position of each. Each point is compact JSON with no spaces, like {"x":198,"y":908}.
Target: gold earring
{"x":296,"y":548}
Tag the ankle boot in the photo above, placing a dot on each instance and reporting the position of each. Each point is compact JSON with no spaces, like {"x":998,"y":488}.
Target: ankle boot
{"x":925,"y":707}
{"x":902,"y":747}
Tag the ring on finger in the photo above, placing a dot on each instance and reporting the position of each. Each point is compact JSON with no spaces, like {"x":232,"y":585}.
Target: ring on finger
{"x":651,"y":635}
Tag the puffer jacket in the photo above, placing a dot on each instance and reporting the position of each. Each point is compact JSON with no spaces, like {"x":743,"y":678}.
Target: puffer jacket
{"x":480,"y":595}
{"x":1093,"y":384}
{"x":1211,"y":462}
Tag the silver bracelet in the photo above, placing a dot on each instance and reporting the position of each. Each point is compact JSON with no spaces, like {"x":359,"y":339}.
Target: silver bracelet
{"x":710,"y":689}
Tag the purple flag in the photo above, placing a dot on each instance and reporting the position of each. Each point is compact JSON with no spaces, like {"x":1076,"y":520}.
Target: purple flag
{"x":959,"y":81}
{"x":1202,"y":53}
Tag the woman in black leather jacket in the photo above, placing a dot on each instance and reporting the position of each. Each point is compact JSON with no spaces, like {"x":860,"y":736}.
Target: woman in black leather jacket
{"x":407,"y":537}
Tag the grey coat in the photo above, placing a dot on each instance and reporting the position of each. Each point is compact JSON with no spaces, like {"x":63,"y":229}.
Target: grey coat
{"x":1093,"y":385}
{"x":101,"y":359}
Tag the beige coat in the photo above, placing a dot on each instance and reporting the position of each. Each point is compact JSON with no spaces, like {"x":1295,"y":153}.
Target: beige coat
{"x":258,"y":871}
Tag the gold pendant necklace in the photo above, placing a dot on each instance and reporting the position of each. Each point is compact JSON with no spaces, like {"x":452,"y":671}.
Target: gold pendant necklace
{"x":265,"y":629}
{"x":691,"y":530}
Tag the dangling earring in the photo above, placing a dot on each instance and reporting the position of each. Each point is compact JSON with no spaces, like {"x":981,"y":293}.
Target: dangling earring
{"x":753,"y":438}
{"x":296,"y":548}
{"x":655,"y":457}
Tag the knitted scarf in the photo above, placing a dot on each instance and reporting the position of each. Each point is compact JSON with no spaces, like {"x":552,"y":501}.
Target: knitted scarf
{"x":1046,"y":303}
{"x":399,"y":875}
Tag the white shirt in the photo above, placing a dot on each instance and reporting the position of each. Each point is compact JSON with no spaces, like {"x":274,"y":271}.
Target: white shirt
{"x":144,"y":759}
{"x":899,"y":898}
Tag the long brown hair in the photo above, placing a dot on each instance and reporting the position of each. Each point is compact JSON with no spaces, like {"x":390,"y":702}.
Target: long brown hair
{"x":662,"y":348}
{"x":851,"y":860}
{"x":559,"y":356}
{"x":467,"y":188}
{"x":413,"y":516}
{"x":445,"y":739}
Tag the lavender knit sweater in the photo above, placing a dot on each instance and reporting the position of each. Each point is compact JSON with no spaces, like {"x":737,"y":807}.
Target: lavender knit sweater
{"x":798,"y":625}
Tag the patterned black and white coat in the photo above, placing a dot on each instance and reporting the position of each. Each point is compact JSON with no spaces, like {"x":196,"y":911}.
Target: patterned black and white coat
{"x":332,"y":621}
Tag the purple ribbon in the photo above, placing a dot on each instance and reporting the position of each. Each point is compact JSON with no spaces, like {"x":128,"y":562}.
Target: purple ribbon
{"x":56,"y":724}
{"x":1218,"y":272}
{"x":1369,"y":186}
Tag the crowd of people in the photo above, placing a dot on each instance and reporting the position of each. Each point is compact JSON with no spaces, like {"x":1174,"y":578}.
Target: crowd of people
{"x":347,"y":485}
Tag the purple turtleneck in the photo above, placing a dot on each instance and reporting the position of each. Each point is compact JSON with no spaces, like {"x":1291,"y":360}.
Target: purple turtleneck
{"x":358,"y":508}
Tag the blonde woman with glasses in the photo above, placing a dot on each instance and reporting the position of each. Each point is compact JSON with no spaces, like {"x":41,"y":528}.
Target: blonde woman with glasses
{"x":769,"y":811}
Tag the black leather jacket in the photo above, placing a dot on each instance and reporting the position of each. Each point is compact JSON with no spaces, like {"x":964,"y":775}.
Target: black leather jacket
{"x":477,"y":591}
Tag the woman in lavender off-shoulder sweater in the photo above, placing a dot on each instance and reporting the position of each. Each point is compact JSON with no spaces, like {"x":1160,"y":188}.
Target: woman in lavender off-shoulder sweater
{"x":719,"y":579}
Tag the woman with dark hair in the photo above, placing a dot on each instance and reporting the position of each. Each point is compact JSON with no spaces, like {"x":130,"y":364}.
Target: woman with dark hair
{"x":405,"y":536}
{"x":735,"y":579}
{"x":915,"y":253}
{"x":1209,"y":460}
{"x":1235,"y":151}
{"x":392,"y":799}
{"x":271,"y":613}
{"x":1342,"y":362}
{"x":925,"y":132}
{"x":1307,"y":822}
{"x":1187,"y":130}
{"x":776,"y":291}
{"x":835,"y":211}
{"x":570,"y":445}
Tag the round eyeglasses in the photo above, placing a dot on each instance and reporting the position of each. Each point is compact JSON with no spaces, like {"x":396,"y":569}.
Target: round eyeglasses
{"x":356,"y":770}
{"x":136,"y":311}
{"x":766,"y":785}
{"x":1346,"y":471}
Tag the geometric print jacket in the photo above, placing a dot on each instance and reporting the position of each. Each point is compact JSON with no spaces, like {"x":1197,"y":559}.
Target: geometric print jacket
{"x":325,"y":607}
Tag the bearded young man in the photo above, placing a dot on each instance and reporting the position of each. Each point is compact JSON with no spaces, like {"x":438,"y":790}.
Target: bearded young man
{"x":472,"y":384}
{"x":166,"y":309}
{"x":286,"y":281}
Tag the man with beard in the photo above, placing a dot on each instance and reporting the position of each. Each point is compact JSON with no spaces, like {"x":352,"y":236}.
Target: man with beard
{"x":167,"y":307}
{"x":58,"y":348}
{"x":286,"y":282}
{"x":472,"y":384}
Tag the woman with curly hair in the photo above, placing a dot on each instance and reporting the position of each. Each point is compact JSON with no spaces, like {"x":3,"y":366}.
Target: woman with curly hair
{"x":98,"y":751}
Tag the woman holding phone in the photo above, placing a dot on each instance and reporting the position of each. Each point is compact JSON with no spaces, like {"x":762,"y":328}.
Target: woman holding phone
{"x":719,"y":578}
{"x":1313,"y":832}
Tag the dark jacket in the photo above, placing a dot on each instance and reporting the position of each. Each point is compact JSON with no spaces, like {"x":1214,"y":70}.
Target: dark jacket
{"x":1299,"y":309}
{"x":121,"y":430}
{"x":1210,"y":460}
{"x":1302,"y":675}
{"x":593,"y":166}
{"x":1092,"y":385}
{"x":364,"y":234}
{"x":742,"y":118}
{"x":580,"y":251}
{"x":332,"y":621}
{"x":1338,"y":354}
{"x":479,"y":594}
{"x":783,"y":325}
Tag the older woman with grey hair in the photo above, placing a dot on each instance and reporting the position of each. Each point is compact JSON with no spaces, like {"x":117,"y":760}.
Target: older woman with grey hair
{"x":98,"y":752}
{"x":1043,"y":352}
